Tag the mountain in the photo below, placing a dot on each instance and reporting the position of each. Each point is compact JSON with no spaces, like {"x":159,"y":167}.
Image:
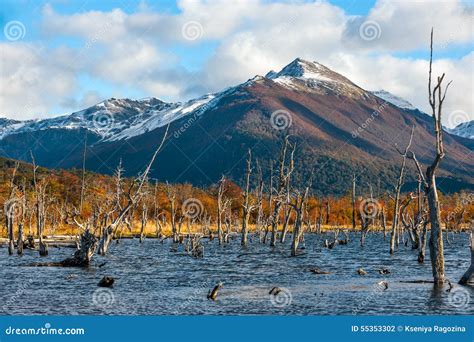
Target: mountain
{"x":337,"y":127}
{"x":465,"y":130}
{"x":393,"y":99}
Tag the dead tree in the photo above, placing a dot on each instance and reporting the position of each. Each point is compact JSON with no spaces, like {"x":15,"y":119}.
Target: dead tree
{"x":353,"y":201}
{"x":222,"y":204}
{"x":298,"y":207}
{"x":259,"y":196}
{"x":134,"y":195}
{"x":143,"y":219}
{"x":328,"y":212}
{"x":408,"y":222}
{"x":436,"y":100}
{"x":21,"y":221}
{"x":383,"y":222}
{"x":287,"y":210}
{"x":10,"y":210}
{"x":398,"y":188}
{"x":171,"y":194}
{"x":268,"y":220}
{"x":467,"y":277}
{"x":247,"y":205}
{"x":40,"y":196}
{"x":283,"y":178}
{"x":83,"y":255}
{"x":158,"y":217}
{"x":83,"y":181}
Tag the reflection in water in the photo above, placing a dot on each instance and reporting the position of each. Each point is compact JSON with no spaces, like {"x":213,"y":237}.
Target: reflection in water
{"x":152,"y":280}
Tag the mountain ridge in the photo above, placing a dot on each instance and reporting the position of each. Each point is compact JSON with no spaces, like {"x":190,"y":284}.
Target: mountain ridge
{"x":337,"y":126}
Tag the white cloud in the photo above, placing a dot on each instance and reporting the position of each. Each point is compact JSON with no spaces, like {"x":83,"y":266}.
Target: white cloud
{"x":143,"y":50}
{"x":33,"y":80}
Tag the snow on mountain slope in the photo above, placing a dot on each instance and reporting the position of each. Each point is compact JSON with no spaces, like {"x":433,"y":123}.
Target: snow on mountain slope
{"x":161,"y":117}
{"x":302,"y":74}
{"x":107,"y":119}
{"x":465,"y":130}
{"x":395,"y":100}
{"x":119,"y":119}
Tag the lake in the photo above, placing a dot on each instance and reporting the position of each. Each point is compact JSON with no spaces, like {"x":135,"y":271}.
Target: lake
{"x":150,"y":279}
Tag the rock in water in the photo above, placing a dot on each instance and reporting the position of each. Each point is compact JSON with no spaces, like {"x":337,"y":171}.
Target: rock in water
{"x":106,"y":282}
{"x":361,"y":272}
{"x":215,"y":291}
{"x":383,"y":284}
{"x":384,"y":271}
{"x":318,"y":271}
{"x":275,"y":291}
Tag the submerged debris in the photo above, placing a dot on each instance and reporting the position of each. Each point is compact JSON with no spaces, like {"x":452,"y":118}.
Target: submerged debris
{"x":106,"y":282}
{"x":318,"y":271}
{"x":212,"y":294}
{"x":275,"y":291}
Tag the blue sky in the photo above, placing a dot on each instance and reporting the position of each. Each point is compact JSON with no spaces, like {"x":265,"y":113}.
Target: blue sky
{"x":139,"y":50}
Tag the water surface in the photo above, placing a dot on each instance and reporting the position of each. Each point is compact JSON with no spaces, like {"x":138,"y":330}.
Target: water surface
{"x":153,"y":280}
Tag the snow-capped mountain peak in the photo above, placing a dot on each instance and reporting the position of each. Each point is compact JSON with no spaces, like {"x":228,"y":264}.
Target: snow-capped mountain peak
{"x":302,"y":73}
{"x":393,"y":99}
{"x":465,"y":130}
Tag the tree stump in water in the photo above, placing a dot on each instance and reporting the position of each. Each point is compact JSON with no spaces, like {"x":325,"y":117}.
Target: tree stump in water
{"x":30,"y":242}
{"x":43,"y":249}
{"x":83,"y":256}
{"x":106,"y":282}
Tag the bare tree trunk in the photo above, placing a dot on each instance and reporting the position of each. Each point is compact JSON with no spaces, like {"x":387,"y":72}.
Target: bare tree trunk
{"x":328,"y":212}
{"x":422,"y":245}
{"x":395,"y":223}
{"x":384,"y":224}
{"x":247,"y":207}
{"x":467,"y":277}
{"x":10,"y":224}
{"x":281,"y":185}
{"x":19,"y":243}
{"x":83,"y":185}
{"x":353,"y":202}
{"x":144,"y":221}
{"x":436,"y":235}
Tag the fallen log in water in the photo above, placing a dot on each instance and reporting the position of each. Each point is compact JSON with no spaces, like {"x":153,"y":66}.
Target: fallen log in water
{"x":81,"y":258}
